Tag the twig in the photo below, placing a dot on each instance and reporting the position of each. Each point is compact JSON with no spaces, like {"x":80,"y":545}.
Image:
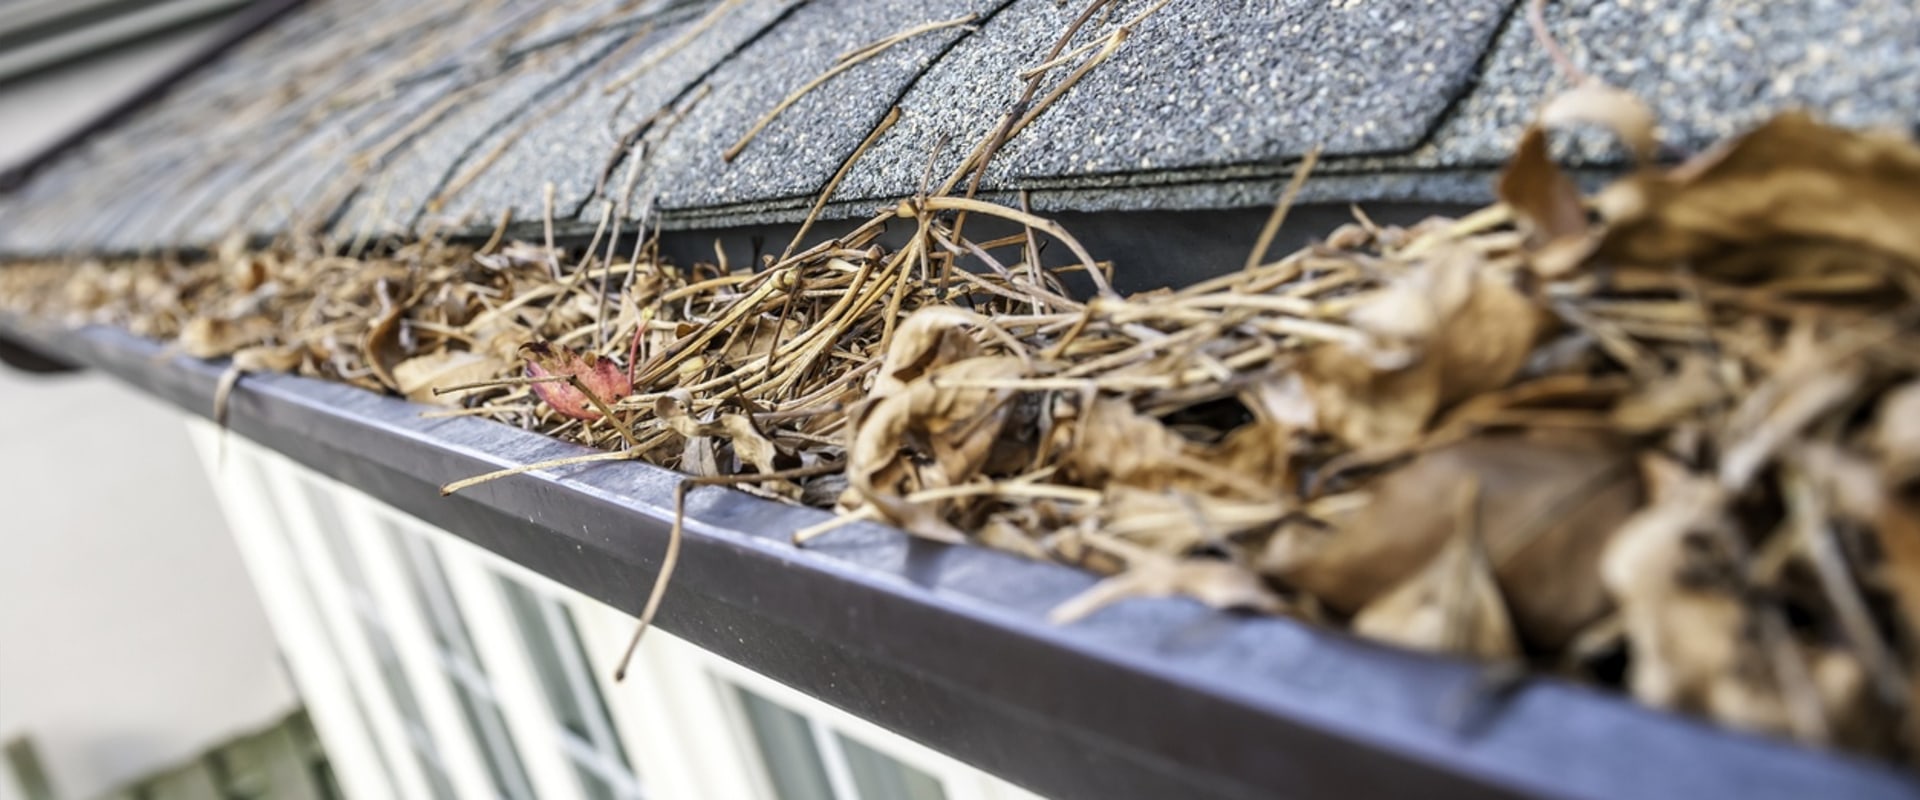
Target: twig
{"x":672,"y":557}
{"x":691,"y":35}
{"x":1537,"y":19}
{"x":833,"y":184}
{"x":1280,"y":208}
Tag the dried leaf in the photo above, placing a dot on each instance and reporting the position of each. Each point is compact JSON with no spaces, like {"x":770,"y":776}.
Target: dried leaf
{"x":1677,"y":396}
{"x":1791,"y":179}
{"x":1596,"y":102}
{"x":210,"y":337}
{"x":1550,"y":506}
{"x":1114,"y":444}
{"x":381,"y":346}
{"x":417,"y":377}
{"x":1452,"y":605}
{"x":598,"y":376}
{"x":1540,"y":193}
{"x":1696,"y":644}
{"x":1219,"y":584}
{"x":925,"y":435}
{"x":1452,"y":327}
{"x":1181,"y":521}
{"x":1774,"y":412}
{"x":1896,"y":433}
{"x":749,"y":444}
{"x":1683,"y":639}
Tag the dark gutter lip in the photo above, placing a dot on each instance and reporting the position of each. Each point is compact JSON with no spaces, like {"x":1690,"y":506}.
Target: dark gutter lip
{"x":950,"y":645}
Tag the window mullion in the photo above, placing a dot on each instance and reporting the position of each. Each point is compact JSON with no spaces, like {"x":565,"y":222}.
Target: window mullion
{"x":839,"y":774}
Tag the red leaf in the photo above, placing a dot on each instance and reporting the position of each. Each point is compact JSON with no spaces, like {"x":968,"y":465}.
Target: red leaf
{"x":597,"y":375}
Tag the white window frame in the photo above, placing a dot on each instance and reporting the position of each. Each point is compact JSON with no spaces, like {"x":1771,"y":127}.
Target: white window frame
{"x":441,"y":610}
{"x":676,"y":716}
{"x":602,"y":749}
{"x":338,"y":712}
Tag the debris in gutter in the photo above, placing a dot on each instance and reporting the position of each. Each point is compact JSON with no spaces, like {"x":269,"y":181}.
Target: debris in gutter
{"x":1663,"y":438}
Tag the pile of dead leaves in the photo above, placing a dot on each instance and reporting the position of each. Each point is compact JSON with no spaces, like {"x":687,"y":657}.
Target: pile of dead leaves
{"x":1666,"y":437}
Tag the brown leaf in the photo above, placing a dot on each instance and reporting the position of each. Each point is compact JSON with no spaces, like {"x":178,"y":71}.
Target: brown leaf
{"x":1540,"y":193}
{"x":211,"y":337}
{"x":1550,"y":505}
{"x":1369,"y":408}
{"x":1696,"y":643}
{"x":1452,"y":327}
{"x":672,"y":408}
{"x":1453,"y":605}
{"x":1898,"y":532}
{"x":1178,"y":521}
{"x":924,"y":435}
{"x":761,"y":340}
{"x":1773,"y":413}
{"x":417,"y":377}
{"x":1114,"y":444}
{"x":1679,"y":395}
{"x":1896,"y":432}
{"x":1596,"y":102}
{"x":1792,"y":178}
{"x":928,"y":339}
{"x":599,"y":376}
{"x":749,"y":444}
{"x":381,"y":345}
{"x":1219,"y":584}
{"x":1682,"y":638}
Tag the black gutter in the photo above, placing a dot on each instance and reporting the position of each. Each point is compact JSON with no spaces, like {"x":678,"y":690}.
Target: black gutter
{"x":950,"y":646}
{"x":244,"y":23}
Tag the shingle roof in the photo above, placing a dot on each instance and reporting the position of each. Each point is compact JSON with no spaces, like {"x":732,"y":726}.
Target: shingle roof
{"x":355,"y":117}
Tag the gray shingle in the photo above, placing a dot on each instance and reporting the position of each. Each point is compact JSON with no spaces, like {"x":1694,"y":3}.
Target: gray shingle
{"x":800,"y":149}
{"x":573,"y":144}
{"x":1196,"y":85}
{"x":398,"y":190}
{"x":1709,"y":68}
{"x":1207,"y":105}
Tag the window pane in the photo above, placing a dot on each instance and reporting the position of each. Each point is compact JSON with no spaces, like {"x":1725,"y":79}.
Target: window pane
{"x":437,"y":780}
{"x":787,"y":748}
{"x":583,"y":678}
{"x":538,"y":637}
{"x":459,"y":662}
{"x":490,"y":732}
{"x":880,"y":775}
{"x":592,"y":786}
{"x":431,"y":591}
{"x":334,"y":532}
{"x":307,"y":746}
{"x":552,"y":641}
{"x":395,"y":675}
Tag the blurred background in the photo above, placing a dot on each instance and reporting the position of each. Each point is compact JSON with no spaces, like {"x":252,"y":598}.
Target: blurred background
{"x":64,"y":61}
{"x":135,"y":659}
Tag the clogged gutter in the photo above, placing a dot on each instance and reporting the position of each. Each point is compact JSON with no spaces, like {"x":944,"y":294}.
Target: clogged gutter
{"x":1670,"y":444}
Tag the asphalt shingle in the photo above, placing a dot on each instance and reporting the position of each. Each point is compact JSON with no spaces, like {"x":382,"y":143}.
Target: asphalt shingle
{"x":572,"y":145}
{"x":799,"y":150}
{"x":442,"y":115}
{"x":398,"y":188}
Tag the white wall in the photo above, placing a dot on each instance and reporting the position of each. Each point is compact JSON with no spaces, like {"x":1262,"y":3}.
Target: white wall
{"x":130,"y":637}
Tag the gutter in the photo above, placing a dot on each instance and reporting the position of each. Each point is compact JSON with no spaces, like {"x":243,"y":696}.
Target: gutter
{"x":950,"y":646}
